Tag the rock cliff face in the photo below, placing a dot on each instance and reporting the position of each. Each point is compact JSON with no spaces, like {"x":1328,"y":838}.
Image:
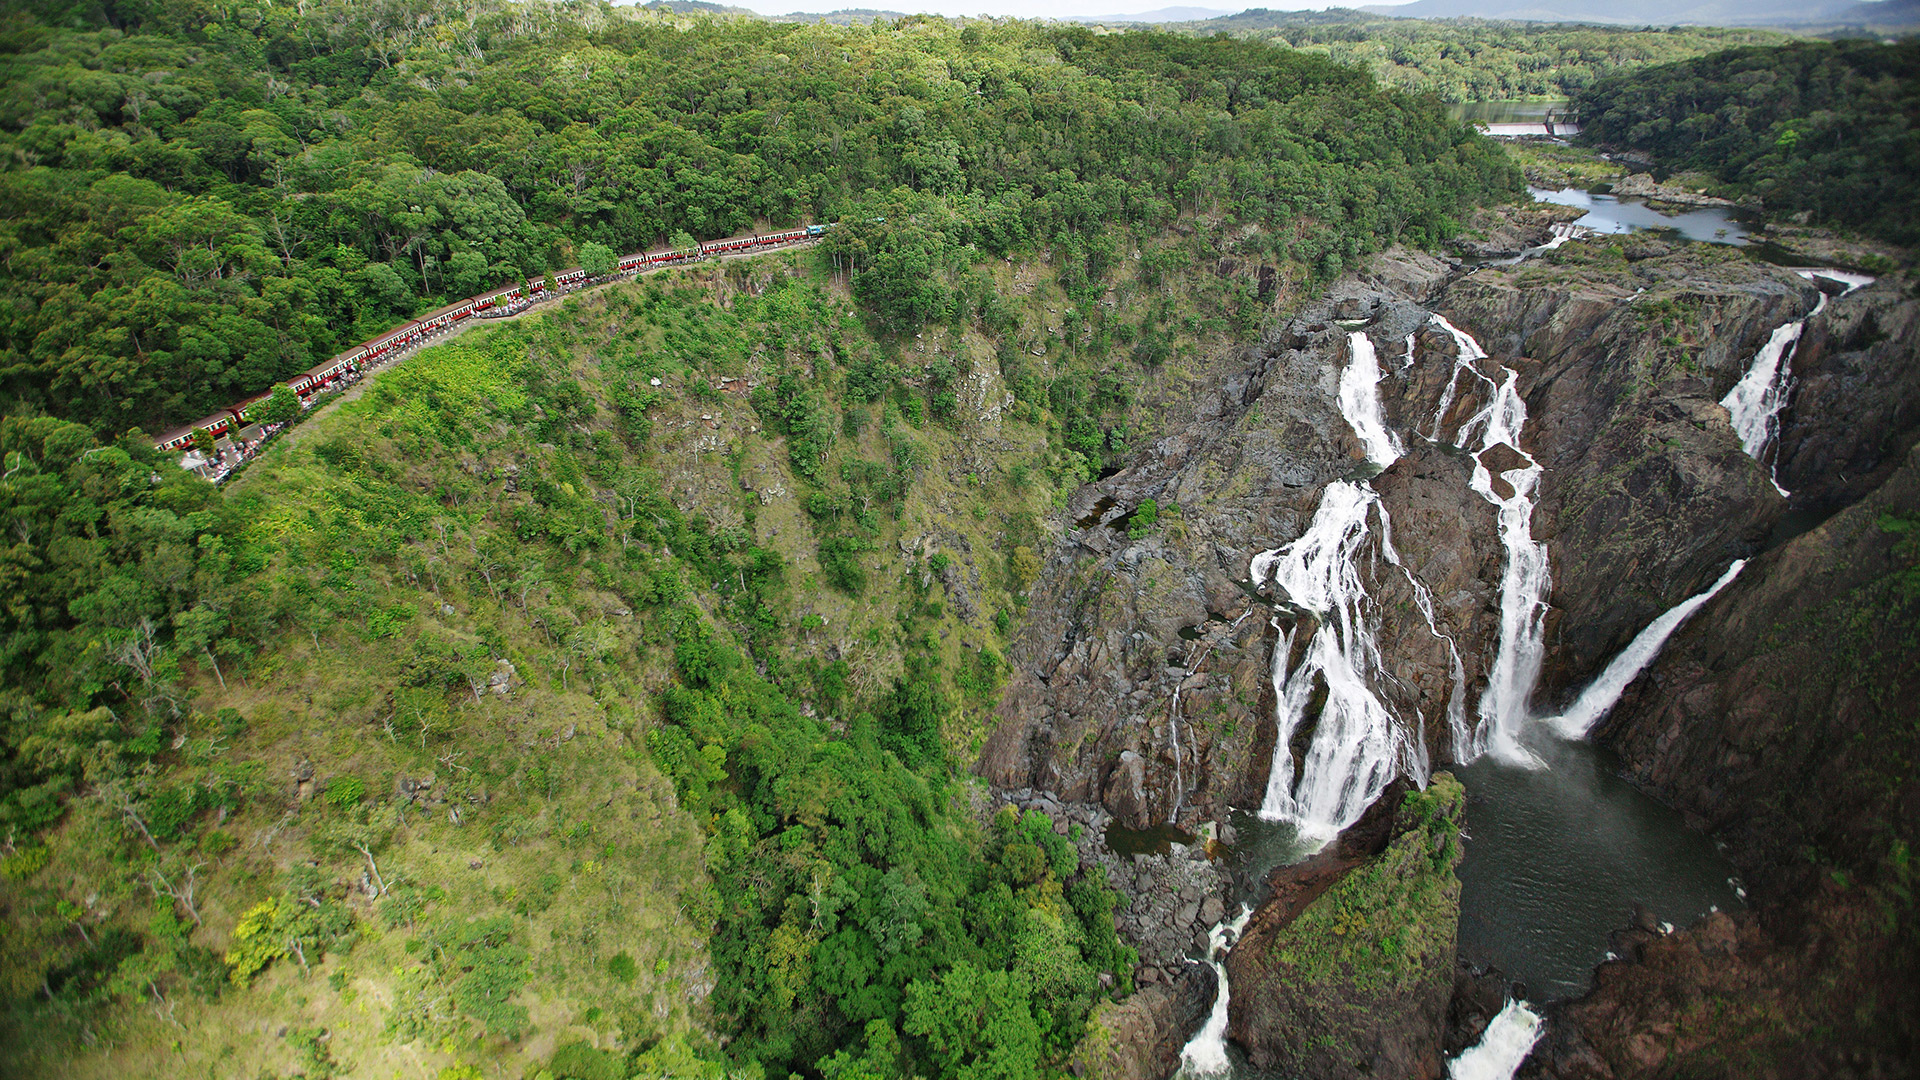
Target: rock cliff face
{"x":1645,"y":498}
{"x":1780,"y":716}
{"x":1781,"y":719}
{"x":1646,"y":495}
{"x":1784,"y":722}
{"x":1346,"y":971}
{"x":1140,"y":1038}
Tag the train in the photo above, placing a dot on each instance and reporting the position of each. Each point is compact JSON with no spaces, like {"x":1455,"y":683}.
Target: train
{"x":489,"y":304}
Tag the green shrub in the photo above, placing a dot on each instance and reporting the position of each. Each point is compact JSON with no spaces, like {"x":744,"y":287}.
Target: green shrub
{"x":622,"y":967}
{"x":344,"y":791}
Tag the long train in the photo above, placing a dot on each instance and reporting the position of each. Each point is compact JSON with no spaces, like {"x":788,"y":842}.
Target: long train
{"x":355,"y":359}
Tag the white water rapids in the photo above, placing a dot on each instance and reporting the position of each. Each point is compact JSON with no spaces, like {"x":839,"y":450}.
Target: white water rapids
{"x":1360,"y":402}
{"x":1206,"y":1053}
{"x":1356,"y":749}
{"x":1502,"y":1047}
{"x":1358,"y":744}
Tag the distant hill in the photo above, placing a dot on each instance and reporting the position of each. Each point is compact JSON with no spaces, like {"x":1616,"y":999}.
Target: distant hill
{"x":696,"y":7}
{"x":840,"y":17}
{"x":1883,"y":15}
{"x":1158,"y":15}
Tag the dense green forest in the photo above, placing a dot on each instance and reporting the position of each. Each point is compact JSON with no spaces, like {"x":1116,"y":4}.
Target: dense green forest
{"x":199,"y":199}
{"x":688,"y":810}
{"x":1826,"y":129}
{"x":1479,"y":59}
{"x":588,"y":695}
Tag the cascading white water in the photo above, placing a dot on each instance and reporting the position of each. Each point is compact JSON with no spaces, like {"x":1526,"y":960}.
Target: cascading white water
{"x":1206,"y":1053}
{"x":1502,"y":1047}
{"x":1600,"y":695}
{"x":1360,"y":401}
{"x":1525,"y":582}
{"x":1558,"y":233}
{"x":1852,"y":281}
{"x":1755,"y":401}
{"x":1357,"y":747}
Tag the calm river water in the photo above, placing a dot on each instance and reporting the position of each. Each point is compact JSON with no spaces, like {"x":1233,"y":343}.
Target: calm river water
{"x":1557,"y":857}
{"x":1613,"y":214}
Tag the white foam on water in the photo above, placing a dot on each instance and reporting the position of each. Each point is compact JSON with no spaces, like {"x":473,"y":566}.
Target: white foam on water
{"x":1206,"y":1053}
{"x":1602,"y":693}
{"x":1502,"y":1047}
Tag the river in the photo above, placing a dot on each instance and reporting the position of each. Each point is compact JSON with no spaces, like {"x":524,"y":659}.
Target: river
{"x":1616,"y":214}
{"x":1556,"y":858}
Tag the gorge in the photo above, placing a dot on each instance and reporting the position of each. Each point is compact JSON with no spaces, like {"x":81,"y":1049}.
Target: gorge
{"x":1520,"y":524}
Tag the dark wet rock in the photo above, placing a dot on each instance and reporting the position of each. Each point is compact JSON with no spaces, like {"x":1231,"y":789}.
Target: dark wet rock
{"x":1856,"y":400}
{"x":1348,"y":969}
{"x":1781,"y":718}
{"x":1478,"y":996}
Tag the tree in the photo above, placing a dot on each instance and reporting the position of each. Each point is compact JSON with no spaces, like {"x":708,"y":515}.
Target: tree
{"x":281,"y":406}
{"x":598,"y":260}
{"x":978,"y":1025}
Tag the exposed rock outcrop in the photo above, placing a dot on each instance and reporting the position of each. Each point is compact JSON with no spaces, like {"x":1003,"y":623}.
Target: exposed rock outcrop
{"x":1348,"y":969}
{"x":1143,"y":678}
{"x":1646,"y":495}
{"x":1140,"y":1038}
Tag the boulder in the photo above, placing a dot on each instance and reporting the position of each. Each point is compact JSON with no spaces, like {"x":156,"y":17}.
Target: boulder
{"x":1126,"y":793}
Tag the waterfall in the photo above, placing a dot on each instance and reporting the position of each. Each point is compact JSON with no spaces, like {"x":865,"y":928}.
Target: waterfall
{"x":1558,"y":233}
{"x":1755,"y":401}
{"x":1853,"y":282}
{"x":1598,"y":698}
{"x":1502,"y":1047}
{"x":1206,"y":1053}
{"x":1525,"y":582}
{"x":1360,"y":401}
{"x":1357,"y":746}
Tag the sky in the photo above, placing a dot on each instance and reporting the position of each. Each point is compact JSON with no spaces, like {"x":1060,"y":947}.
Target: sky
{"x":1027,"y":9}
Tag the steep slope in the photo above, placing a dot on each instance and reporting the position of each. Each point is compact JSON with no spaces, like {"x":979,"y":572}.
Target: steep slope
{"x":1783,"y":720}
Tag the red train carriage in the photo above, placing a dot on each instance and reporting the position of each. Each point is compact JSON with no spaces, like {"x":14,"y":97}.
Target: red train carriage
{"x":321,"y":376}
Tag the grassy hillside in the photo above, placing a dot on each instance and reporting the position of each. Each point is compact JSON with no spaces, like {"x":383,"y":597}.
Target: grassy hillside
{"x":519,"y":702}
